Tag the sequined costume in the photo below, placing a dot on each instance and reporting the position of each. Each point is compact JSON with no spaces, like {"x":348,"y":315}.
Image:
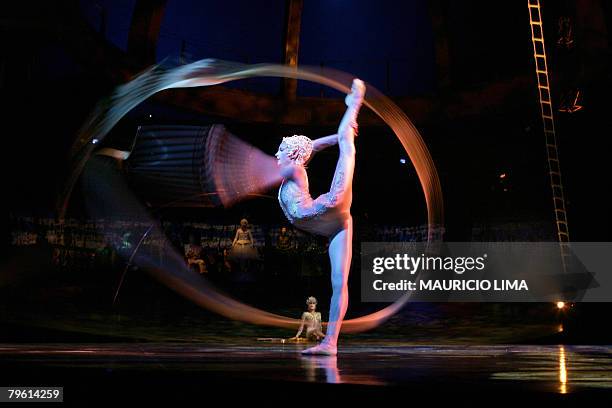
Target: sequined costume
{"x":312,"y":321}
{"x":324,"y":215}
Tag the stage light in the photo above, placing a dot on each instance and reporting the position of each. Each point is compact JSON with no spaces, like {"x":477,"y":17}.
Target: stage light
{"x":560,"y":305}
{"x":403,"y":161}
{"x":94,"y":141}
{"x":150,"y":116}
{"x":502,"y":176}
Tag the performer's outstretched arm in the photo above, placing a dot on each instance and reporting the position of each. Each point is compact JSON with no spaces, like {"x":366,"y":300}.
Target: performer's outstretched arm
{"x":322,"y":143}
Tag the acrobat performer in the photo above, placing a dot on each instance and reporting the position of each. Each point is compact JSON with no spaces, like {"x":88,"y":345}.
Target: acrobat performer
{"x":329,"y":214}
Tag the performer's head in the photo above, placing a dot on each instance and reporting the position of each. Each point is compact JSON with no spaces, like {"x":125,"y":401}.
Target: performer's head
{"x":244,"y":223}
{"x":294,"y":150}
{"x":311,"y":303}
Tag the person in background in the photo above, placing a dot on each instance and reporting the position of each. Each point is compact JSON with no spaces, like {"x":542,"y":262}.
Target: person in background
{"x":284,"y":242}
{"x":311,"y":319}
{"x":193,"y":253}
{"x":243,"y":247}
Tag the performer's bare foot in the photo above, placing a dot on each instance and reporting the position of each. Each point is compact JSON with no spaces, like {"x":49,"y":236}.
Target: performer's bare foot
{"x":355,"y":98}
{"x":323,"y":349}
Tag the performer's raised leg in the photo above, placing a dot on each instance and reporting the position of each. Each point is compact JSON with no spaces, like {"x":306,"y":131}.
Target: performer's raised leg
{"x":341,"y":191}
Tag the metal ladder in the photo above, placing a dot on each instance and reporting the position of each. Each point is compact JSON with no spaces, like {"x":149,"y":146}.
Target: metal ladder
{"x":554,"y":170}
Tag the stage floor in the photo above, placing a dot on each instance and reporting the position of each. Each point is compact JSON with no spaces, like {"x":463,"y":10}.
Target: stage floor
{"x":550,"y":371}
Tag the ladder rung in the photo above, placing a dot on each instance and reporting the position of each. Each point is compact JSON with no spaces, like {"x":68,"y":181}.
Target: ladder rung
{"x":547,"y":117}
{"x":539,"y":71}
{"x":540,"y":55}
{"x":543,"y":86}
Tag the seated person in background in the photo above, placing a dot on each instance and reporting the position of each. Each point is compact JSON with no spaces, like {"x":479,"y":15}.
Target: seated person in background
{"x":312,"y":320}
{"x":284,"y":241}
{"x":193,"y":253}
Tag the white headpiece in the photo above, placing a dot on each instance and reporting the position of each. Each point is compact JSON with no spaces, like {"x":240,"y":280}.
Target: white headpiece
{"x":300,"y":148}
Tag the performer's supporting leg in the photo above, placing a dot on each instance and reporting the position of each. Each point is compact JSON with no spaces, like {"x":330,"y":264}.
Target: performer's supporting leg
{"x":340,"y":255}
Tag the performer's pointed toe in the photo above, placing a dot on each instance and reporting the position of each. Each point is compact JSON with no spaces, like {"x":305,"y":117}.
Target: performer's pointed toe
{"x":356,"y":96}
